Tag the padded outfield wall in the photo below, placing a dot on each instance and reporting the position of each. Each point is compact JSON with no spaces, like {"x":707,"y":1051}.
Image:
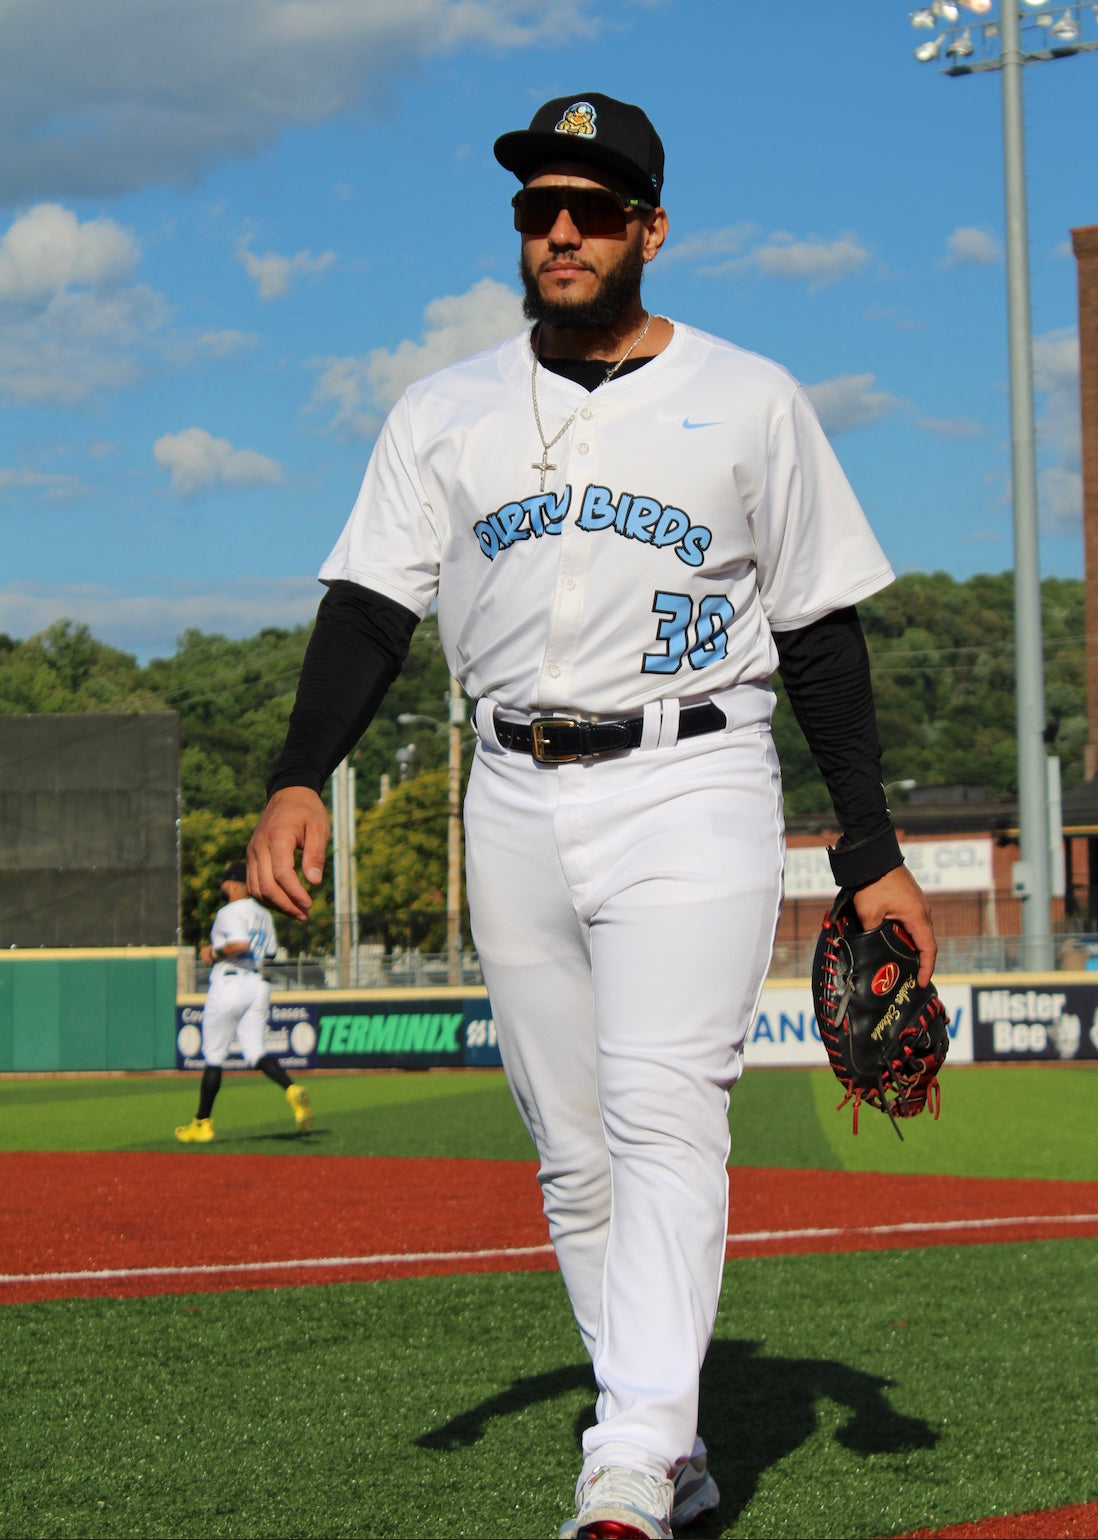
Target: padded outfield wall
{"x":89,"y":831}
{"x":74,"y":1009}
{"x":70,"y":1011}
{"x":1009,"y":1018}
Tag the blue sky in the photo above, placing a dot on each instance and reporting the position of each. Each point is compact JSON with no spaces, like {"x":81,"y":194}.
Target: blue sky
{"x":231,"y":231}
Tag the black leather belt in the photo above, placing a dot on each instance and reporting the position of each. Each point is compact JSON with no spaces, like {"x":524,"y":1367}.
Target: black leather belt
{"x":560,"y":740}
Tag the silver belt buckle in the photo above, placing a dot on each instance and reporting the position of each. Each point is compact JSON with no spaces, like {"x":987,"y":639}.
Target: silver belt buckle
{"x":543,"y":753}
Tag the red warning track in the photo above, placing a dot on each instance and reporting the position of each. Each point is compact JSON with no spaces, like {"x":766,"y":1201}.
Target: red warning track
{"x":129,"y":1224}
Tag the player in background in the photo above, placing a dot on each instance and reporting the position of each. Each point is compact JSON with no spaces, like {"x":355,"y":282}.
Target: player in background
{"x":628,"y":525}
{"x":238,"y":1000}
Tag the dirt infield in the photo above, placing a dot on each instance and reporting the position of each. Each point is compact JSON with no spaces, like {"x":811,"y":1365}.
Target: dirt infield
{"x":81,"y":1225}
{"x":1079,"y":1522}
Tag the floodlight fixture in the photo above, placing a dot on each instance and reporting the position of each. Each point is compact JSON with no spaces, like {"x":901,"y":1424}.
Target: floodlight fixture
{"x":946,"y":9}
{"x":927,"y":51}
{"x":1067,"y":27}
{"x":923,"y":18}
{"x":961,"y":46}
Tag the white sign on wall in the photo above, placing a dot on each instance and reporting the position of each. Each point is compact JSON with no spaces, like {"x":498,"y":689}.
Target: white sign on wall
{"x":938,"y":866}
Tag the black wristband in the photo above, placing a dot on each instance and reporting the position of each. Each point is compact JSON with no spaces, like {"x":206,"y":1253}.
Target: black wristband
{"x":857,"y":865}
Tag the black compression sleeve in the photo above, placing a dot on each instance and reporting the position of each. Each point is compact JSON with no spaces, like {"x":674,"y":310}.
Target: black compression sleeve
{"x":357,"y":649}
{"x":825,"y":670}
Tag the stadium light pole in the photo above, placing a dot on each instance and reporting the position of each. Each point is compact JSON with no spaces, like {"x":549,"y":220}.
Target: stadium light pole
{"x":455,"y":722}
{"x":1062,"y":28}
{"x":344,"y":878}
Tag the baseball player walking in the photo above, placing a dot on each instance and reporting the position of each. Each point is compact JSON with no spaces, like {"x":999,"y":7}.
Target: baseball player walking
{"x":628,"y":525}
{"x":238,"y":1002}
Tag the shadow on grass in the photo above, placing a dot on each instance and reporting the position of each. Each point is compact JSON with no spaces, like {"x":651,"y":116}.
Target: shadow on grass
{"x":227,"y":1143}
{"x":755,"y":1410}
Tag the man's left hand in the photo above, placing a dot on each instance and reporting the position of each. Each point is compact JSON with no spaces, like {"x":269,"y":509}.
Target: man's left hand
{"x":897,"y":896}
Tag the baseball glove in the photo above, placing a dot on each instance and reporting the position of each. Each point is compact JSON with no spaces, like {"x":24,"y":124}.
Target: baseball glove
{"x":885,"y":1036}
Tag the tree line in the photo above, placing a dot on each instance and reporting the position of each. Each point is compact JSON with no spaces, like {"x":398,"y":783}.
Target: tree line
{"x":942,"y":654}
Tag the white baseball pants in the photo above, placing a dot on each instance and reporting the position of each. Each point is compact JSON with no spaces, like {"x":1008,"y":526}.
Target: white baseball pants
{"x":237,"y":1004}
{"x":624,"y":913}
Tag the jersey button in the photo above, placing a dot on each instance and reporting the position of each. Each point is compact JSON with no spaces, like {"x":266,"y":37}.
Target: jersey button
{"x":583,"y":448}
{"x":586,"y":413}
{"x":569,"y":583}
{"x":554,"y":671}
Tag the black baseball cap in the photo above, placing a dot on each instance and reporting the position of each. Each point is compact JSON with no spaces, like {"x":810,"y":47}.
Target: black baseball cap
{"x":236,"y":871}
{"x":589,"y":127}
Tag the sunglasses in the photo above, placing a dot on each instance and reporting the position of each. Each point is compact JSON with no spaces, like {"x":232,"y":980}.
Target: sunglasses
{"x":593,"y":210}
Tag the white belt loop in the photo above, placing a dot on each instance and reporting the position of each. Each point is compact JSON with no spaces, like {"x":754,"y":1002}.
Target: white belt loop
{"x":669,"y":724}
{"x":484,"y":722}
{"x":653,"y":717}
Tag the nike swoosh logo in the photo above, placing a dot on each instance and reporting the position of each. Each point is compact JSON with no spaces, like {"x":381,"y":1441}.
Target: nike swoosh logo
{"x":688,"y":424}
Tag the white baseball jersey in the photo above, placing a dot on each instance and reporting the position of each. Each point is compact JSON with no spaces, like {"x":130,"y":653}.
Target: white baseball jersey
{"x":693,"y":506}
{"x":244,"y":920}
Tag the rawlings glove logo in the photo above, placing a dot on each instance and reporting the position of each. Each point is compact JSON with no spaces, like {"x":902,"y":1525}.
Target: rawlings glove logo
{"x":884,"y":980}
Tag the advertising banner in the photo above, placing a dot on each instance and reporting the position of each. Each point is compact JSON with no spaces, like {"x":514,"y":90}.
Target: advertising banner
{"x":290,"y":1037}
{"x":402,"y":1031}
{"x":1003,"y":1019}
{"x":1014,"y":1023}
{"x":785,"y":1031}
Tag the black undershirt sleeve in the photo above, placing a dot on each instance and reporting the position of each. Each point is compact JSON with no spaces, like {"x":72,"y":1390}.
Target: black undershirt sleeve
{"x":357,"y":649}
{"x":825,"y":669}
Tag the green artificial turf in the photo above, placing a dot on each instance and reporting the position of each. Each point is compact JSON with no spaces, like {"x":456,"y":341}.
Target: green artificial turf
{"x":1010,"y":1120}
{"x":1034,"y":1120}
{"x":853,"y":1395}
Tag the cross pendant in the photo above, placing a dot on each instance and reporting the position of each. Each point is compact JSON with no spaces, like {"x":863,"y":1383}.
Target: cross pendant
{"x":545,"y":466}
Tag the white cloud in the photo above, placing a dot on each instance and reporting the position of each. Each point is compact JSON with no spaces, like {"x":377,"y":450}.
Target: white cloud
{"x":814,"y":261}
{"x":848,"y":401}
{"x":970,"y":244}
{"x":273,"y":274}
{"x":1059,"y":428}
{"x":222,"y":344}
{"x":149,"y":624}
{"x":196,"y":459}
{"x":705,"y":245}
{"x":47,"y":250}
{"x":49,"y":484}
{"x":951,"y":427}
{"x":735,"y":249}
{"x":72,"y":324}
{"x":357,"y":390}
{"x":194,"y":85}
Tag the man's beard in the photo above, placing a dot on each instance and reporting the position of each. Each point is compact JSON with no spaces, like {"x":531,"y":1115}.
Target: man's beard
{"x":618,"y":290}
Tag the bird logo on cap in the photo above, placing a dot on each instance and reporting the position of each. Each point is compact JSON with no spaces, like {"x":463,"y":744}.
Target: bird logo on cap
{"x":579,"y":120}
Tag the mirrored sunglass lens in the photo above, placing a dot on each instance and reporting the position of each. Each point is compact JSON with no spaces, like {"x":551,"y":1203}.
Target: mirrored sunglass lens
{"x":593,"y":212}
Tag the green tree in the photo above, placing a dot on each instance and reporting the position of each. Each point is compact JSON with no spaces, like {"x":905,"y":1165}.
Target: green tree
{"x":64,"y":669}
{"x":207,"y":844}
{"x":401,"y":851}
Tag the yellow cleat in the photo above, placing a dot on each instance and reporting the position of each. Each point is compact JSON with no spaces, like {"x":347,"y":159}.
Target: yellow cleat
{"x":197,"y":1131}
{"x":303,"y":1111}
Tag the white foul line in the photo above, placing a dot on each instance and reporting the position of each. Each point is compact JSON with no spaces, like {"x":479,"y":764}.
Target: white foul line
{"x":912,"y":1226}
{"x":378,"y":1259}
{"x":498,"y":1253}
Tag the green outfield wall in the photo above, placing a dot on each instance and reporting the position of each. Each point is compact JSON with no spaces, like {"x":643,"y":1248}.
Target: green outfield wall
{"x":101,"y":1009}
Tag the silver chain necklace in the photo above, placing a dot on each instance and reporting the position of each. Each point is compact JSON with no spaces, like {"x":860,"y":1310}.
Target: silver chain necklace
{"x":545,"y":465}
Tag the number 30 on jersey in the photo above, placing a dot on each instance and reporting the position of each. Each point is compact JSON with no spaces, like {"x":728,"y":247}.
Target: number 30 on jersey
{"x":699,"y":639}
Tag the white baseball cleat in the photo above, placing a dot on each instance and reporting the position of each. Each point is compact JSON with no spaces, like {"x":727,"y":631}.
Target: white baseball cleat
{"x":696,"y":1493}
{"x":696,"y":1496}
{"x":622,"y":1503}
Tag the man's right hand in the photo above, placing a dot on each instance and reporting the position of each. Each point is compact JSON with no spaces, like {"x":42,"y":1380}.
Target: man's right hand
{"x":294,"y":819}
